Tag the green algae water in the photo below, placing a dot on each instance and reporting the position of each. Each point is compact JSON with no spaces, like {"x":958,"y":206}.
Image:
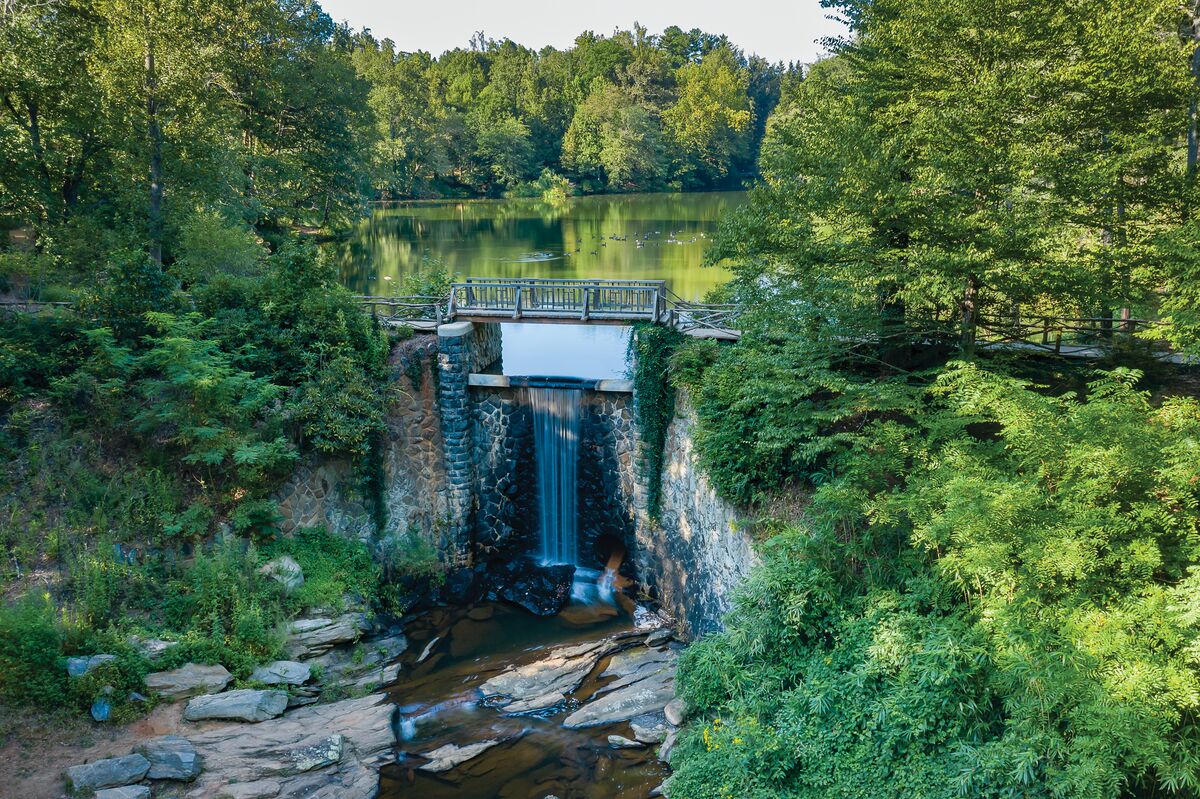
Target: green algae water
{"x":634,"y":236}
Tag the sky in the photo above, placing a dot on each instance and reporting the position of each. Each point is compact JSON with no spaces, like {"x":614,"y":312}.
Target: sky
{"x":778,"y":30}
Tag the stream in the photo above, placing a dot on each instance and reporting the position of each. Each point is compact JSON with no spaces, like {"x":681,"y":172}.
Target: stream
{"x":440,"y":703}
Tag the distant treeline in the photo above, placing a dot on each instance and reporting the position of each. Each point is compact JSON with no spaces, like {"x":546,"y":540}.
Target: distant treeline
{"x":116,"y":114}
{"x":629,"y":112}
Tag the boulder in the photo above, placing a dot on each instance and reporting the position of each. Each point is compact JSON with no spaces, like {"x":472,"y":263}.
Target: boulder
{"x":101,"y":709}
{"x":172,"y":757}
{"x":370,"y":664}
{"x":151,"y":648}
{"x":188,"y":680}
{"x":668,"y":744}
{"x":79,"y":666}
{"x":112,"y":772}
{"x":282,"y":672}
{"x":541,"y":590}
{"x":649,"y":729}
{"x":676,"y":711}
{"x":448,"y":756}
{"x":621,"y":742}
{"x":245,"y":704}
{"x":285,"y":571}
{"x":124,"y":792}
{"x":311,"y":637}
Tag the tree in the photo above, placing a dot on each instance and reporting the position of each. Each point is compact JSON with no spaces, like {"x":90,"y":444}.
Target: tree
{"x":711,"y":117}
{"x":51,"y":116}
{"x":914,"y":173}
{"x":616,"y":141}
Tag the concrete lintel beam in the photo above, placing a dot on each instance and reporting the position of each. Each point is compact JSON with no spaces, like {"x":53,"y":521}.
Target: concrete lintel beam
{"x":455,"y":329}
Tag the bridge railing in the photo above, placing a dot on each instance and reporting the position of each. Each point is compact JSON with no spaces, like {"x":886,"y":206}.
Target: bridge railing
{"x":615,"y":300}
{"x":1053,"y":333}
{"x":405,"y":309}
{"x":689,"y":316}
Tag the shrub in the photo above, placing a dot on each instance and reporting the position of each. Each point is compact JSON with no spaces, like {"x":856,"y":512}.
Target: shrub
{"x":225,"y":611}
{"x":334,"y":567}
{"x":31,"y":664}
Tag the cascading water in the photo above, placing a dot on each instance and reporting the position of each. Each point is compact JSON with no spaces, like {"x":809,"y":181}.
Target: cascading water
{"x":556,"y":431}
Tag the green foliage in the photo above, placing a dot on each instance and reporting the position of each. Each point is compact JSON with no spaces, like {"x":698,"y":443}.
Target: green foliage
{"x":433,"y":279}
{"x":211,"y":246}
{"x":340,"y":409}
{"x":956,"y":158}
{"x":195,"y":399}
{"x":334,"y":568}
{"x":31,"y":666}
{"x":549,"y":187}
{"x":223,"y":610}
{"x":650,"y":351}
{"x":772,"y":411}
{"x":994,"y":598}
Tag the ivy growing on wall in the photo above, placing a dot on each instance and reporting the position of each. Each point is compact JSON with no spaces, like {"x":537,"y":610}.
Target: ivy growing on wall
{"x":650,"y":351}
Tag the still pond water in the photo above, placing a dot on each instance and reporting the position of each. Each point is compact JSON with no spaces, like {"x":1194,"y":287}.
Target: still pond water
{"x":633,"y":237}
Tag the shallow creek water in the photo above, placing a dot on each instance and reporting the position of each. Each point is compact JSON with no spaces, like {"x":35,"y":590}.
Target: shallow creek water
{"x":439,"y":703}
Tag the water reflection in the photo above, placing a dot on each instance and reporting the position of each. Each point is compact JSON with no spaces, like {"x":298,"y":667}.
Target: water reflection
{"x":639,"y":236}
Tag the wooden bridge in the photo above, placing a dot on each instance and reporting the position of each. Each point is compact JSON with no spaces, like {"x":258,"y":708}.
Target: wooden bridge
{"x":549,"y":301}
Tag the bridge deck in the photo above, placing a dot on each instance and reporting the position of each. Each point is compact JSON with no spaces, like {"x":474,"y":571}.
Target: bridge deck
{"x":550,"y":301}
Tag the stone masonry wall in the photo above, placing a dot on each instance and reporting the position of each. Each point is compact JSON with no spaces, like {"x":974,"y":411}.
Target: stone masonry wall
{"x":696,"y":554}
{"x":607,"y":488}
{"x":327,"y":491}
{"x":505,"y":467}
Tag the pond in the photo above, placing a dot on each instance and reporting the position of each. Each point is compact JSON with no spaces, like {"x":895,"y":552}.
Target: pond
{"x":631,"y":236}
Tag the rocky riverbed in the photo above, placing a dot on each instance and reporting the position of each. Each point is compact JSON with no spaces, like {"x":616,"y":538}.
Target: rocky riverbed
{"x":476,"y":701}
{"x":511,"y":706}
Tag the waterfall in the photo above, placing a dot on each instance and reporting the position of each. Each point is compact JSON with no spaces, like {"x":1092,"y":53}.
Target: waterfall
{"x":556,"y":439}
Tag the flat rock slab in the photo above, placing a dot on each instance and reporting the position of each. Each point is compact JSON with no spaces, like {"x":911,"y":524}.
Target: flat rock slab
{"x":282,"y":672}
{"x":111,"y":772}
{"x":246,"y":704}
{"x":172,"y":757}
{"x":534,"y":705}
{"x":311,"y":637}
{"x":124,"y":792}
{"x":649,"y":695}
{"x":560,"y":672}
{"x":621,"y":742}
{"x":372,"y":663}
{"x":447,"y":757}
{"x":283,"y":756}
{"x":191,"y":679}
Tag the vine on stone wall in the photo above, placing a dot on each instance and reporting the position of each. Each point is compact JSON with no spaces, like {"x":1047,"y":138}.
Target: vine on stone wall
{"x":650,"y":351}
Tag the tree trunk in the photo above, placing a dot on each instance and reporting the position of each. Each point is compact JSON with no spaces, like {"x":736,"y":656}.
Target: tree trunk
{"x":970,"y":315}
{"x":155,"y":140}
{"x":1193,"y":131}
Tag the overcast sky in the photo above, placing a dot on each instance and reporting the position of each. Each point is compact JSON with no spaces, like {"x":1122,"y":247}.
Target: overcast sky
{"x":779,"y":30}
